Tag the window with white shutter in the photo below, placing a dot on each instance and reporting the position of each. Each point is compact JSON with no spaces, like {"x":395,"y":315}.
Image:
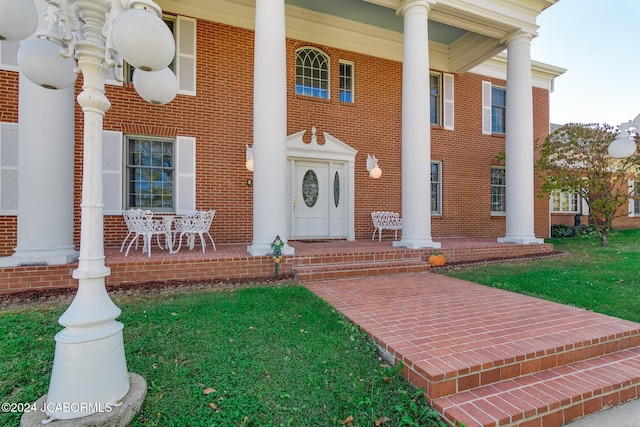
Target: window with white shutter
{"x":8,"y":168}
{"x":186,"y":174}
{"x":186,"y":55}
{"x":112,"y":172}
{"x":447,"y":80}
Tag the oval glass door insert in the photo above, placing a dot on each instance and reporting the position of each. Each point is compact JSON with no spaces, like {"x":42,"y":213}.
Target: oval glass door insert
{"x":336,"y":189}
{"x":310,"y":188}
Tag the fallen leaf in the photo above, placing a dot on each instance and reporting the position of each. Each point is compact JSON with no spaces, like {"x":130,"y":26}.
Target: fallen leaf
{"x":174,"y":314}
{"x":380,"y":421}
{"x":213,"y":406}
{"x":209,"y":390}
{"x":348,"y":422}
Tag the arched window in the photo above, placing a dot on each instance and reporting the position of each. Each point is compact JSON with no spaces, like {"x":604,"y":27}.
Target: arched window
{"x":312,"y":73}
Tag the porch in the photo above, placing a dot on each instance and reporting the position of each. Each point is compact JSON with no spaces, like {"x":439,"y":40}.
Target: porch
{"x":313,"y":260}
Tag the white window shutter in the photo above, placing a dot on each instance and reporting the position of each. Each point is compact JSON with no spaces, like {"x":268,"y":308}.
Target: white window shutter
{"x":112,"y":169}
{"x":631,"y":201}
{"x":9,"y":55}
{"x":186,"y":55}
{"x":185,"y":174}
{"x":448,"y":101}
{"x":9,"y":168}
{"x":486,"y":108}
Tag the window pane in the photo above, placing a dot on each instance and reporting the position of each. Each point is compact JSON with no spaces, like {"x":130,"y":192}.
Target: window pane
{"x":498,"y":190}
{"x":436,"y":188}
{"x":435,"y":99}
{"x":150,"y":174}
{"x":346,"y":82}
{"x":498,"y":109}
{"x":312,"y":73}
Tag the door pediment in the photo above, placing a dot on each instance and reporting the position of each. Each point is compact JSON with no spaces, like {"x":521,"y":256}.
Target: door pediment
{"x":332,"y":150}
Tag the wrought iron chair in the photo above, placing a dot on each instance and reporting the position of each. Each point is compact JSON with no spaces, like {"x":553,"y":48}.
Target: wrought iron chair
{"x":142,"y":223}
{"x":194,"y":223}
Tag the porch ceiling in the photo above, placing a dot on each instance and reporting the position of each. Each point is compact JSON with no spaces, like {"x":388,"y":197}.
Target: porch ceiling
{"x":462,"y":33}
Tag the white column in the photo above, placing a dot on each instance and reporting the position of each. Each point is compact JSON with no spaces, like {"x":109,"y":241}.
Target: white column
{"x":269,"y":128}
{"x":519,"y":150}
{"x":45,"y":176}
{"x":416,"y":129}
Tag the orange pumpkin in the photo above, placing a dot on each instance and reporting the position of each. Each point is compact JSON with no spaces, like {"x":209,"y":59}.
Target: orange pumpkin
{"x":436,"y":259}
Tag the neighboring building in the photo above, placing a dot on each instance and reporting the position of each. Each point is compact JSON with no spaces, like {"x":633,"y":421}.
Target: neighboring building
{"x":444,"y":115}
{"x":567,"y":208}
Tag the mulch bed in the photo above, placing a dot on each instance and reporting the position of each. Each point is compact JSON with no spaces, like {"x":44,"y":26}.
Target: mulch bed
{"x":52,"y":296}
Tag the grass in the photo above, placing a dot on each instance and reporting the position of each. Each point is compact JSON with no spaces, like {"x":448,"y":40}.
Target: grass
{"x":602,"y":279}
{"x":262,"y":356}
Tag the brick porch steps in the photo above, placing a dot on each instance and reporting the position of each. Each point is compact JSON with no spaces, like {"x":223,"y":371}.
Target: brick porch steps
{"x":488,"y":357}
{"x":311,"y":273}
{"x":549,"y":398}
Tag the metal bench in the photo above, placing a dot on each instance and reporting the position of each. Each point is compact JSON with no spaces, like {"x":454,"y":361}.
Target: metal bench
{"x":385,"y":221}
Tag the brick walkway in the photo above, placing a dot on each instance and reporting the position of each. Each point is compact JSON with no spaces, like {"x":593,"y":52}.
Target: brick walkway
{"x":489,"y":357}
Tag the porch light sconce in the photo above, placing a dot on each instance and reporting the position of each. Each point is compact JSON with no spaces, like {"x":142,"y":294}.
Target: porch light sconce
{"x":372,"y":166}
{"x":249,"y":163}
{"x":624,"y":146}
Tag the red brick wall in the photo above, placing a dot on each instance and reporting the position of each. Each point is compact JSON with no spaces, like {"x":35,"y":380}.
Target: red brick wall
{"x":220,"y":118}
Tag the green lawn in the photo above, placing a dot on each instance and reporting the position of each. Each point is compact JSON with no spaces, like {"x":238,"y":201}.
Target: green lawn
{"x":262,"y":356}
{"x":601,"y":279}
{"x":278,"y":356}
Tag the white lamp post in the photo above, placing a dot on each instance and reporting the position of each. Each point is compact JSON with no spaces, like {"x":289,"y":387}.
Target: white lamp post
{"x":89,"y":373}
{"x":624,"y":146}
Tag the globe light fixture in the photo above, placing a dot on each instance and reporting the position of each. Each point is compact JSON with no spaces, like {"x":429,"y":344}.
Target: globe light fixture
{"x":18,"y":19}
{"x":91,"y":37}
{"x":48,"y":48}
{"x":372,"y":166}
{"x":142,"y":39}
{"x":624,"y":146}
{"x":156,"y":87}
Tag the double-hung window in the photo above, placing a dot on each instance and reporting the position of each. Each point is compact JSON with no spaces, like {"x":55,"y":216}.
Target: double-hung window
{"x":312,"y":73}
{"x":498,"y":109}
{"x":346,"y":81}
{"x":184,"y":62}
{"x":150,"y":173}
{"x":435,"y":99}
{"x":494,"y":109}
{"x":564,"y":202}
{"x":498,"y":191}
{"x":436,"y":188}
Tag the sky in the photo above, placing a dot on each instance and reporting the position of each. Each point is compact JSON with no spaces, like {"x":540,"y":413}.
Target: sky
{"x":598,"y":42}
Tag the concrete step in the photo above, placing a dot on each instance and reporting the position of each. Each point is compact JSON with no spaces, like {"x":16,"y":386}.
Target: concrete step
{"x":552,"y":397}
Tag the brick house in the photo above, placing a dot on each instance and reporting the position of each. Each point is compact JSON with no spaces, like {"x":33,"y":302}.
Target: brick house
{"x":357,"y":79}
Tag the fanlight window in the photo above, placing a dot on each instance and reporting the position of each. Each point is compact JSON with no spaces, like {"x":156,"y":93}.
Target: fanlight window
{"x":312,"y":73}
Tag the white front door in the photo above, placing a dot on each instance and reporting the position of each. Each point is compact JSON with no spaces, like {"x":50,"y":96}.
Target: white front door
{"x":311,"y":200}
{"x":320,"y":187}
